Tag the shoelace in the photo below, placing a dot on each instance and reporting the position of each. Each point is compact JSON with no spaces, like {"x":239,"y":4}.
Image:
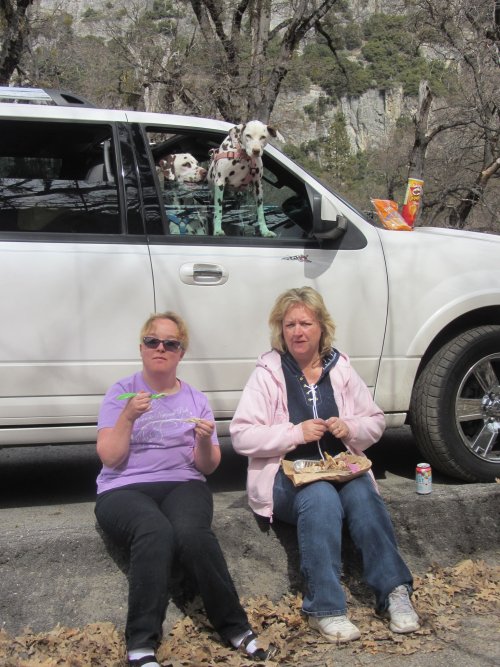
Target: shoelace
{"x":400,"y":602}
{"x":341,"y":620}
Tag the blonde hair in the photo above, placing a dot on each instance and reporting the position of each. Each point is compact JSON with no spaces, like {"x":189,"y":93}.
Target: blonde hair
{"x":310,"y":298}
{"x":167,"y":315}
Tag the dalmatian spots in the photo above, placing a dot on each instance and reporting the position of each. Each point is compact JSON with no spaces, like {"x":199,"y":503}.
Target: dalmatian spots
{"x":243,"y":148}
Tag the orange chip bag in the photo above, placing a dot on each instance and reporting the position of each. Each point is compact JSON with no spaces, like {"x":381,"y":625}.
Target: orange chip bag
{"x":387,"y":211}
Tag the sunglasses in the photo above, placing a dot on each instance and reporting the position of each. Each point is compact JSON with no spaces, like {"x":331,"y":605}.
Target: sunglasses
{"x":152,"y":343}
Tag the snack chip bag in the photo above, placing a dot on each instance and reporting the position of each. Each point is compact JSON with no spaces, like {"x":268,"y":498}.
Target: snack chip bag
{"x":413,"y":200}
{"x":387,"y":211}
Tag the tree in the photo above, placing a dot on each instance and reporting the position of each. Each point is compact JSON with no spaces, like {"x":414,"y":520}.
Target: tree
{"x":464,"y":126}
{"x":336,"y":148}
{"x":251,"y":55}
{"x":14,"y":25}
{"x":158,"y":65}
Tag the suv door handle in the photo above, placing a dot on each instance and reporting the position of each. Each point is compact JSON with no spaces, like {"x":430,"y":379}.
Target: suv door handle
{"x":203,"y":274}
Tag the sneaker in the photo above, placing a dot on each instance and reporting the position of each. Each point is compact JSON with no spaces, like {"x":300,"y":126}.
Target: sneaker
{"x":403,"y":617}
{"x":335,"y":628}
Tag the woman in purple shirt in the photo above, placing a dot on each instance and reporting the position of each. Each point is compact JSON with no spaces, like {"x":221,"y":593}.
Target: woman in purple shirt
{"x":157,"y":441}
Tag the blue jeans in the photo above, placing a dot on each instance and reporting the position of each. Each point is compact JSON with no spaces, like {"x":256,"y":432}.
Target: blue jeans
{"x":318,"y":510}
{"x":157,"y":521}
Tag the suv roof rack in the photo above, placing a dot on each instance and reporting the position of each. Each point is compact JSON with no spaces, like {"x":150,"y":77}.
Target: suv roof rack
{"x":61,"y":98}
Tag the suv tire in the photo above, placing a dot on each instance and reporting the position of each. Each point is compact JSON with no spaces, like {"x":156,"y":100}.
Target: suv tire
{"x":455,"y":408}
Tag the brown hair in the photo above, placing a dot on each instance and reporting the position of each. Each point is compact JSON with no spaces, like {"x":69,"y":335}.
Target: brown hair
{"x":167,"y":315}
{"x":301,"y":296}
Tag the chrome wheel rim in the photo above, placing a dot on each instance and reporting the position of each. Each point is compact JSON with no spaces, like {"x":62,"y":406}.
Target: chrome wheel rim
{"x":477,"y":409}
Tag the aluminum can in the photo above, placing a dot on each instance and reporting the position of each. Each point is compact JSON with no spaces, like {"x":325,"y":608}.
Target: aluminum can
{"x":423,"y":478}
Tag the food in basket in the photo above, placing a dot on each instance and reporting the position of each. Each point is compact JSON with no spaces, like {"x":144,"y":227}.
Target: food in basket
{"x":342,"y":463}
{"x":338,"y":468}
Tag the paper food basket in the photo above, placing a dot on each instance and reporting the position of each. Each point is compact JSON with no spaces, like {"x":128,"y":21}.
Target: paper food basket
{"x":354,"y":467}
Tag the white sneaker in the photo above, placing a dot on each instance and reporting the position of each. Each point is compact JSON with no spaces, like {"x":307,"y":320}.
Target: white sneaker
{"x":335,"y":628}
{"x":403,"y":617}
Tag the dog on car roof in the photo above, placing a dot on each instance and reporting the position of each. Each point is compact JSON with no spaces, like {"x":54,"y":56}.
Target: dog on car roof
{"x":237,"y":165}
{"x":181,"y":178}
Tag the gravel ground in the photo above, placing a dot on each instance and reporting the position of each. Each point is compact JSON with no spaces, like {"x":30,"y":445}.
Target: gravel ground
{"x":60,"y":579}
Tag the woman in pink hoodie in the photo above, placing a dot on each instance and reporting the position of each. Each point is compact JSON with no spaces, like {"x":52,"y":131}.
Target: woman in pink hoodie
{"x":303,"y":400}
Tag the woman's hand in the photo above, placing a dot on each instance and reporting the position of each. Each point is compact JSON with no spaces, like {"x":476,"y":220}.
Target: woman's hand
{"x":206,"y":455}
{"x":337,"y":427}
{"x":204,"y":429}
{"x":313,"y":429}
{"x":113,"y":444}
{"x":137,"y":405}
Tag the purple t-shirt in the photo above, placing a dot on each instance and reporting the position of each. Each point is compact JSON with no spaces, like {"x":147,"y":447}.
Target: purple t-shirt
{"x":162,"y":444}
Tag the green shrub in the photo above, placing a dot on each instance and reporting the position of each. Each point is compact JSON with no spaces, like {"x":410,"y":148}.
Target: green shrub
{"x":389,"y":56}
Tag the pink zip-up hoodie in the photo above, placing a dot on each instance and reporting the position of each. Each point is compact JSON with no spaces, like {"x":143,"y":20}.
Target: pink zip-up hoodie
{"x":261,"y":429}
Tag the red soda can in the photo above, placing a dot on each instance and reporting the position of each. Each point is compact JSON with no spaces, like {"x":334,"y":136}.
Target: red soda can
{"x":423,"y":478}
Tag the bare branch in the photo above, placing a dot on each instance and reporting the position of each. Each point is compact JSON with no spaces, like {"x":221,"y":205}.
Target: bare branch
{"x":319,"y":29}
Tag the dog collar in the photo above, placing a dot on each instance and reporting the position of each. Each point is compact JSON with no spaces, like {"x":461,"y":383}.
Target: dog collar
{"x":239,"y":154}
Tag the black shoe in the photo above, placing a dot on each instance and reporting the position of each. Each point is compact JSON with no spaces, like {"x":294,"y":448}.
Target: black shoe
{"x":260,"y":654}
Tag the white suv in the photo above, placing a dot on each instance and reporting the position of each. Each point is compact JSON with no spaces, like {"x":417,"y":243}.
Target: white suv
{"x":90,"y":245}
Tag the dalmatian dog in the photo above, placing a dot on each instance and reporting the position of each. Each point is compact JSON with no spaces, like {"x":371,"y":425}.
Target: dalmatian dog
{"x":237,"y":165}
{"x":181,"y":167}
{"x":181,"y":178}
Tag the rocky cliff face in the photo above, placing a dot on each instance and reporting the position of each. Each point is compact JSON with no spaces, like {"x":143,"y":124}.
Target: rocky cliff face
{"x":370,"y":118}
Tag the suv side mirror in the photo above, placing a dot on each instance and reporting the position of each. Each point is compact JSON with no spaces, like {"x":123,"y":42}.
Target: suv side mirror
{"x":331,"y":228}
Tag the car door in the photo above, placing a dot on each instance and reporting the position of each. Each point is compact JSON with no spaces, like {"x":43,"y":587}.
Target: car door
{"x":225,"y":286}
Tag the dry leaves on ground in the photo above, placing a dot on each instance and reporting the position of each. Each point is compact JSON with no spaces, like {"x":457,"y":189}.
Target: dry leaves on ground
{"x":443,"y":597}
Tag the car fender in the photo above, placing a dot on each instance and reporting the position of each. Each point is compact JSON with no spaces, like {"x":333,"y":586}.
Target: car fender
{"x":448,"y":313}
{"x":434,"y":277}
{"x":397,"y":375}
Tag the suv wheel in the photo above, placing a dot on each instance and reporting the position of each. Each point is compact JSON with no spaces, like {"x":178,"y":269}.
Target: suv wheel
{"x":455,"y":409}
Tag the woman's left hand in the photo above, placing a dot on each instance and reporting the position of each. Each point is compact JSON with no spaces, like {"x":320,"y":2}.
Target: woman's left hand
{"x":337,"y":427}
{"x":206,"y":454}
{"x":204,"y":429}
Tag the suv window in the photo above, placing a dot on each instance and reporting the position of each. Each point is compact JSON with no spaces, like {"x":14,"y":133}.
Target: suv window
{"x":188,"y":207}
{"x":58,"y":177}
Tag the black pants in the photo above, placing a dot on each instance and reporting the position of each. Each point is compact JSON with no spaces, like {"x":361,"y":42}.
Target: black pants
{"x":157,"y":521}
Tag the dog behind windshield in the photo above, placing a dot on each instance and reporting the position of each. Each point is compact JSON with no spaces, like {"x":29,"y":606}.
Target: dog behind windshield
{"x":181,"y":167}
{"x":182,"y":178}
